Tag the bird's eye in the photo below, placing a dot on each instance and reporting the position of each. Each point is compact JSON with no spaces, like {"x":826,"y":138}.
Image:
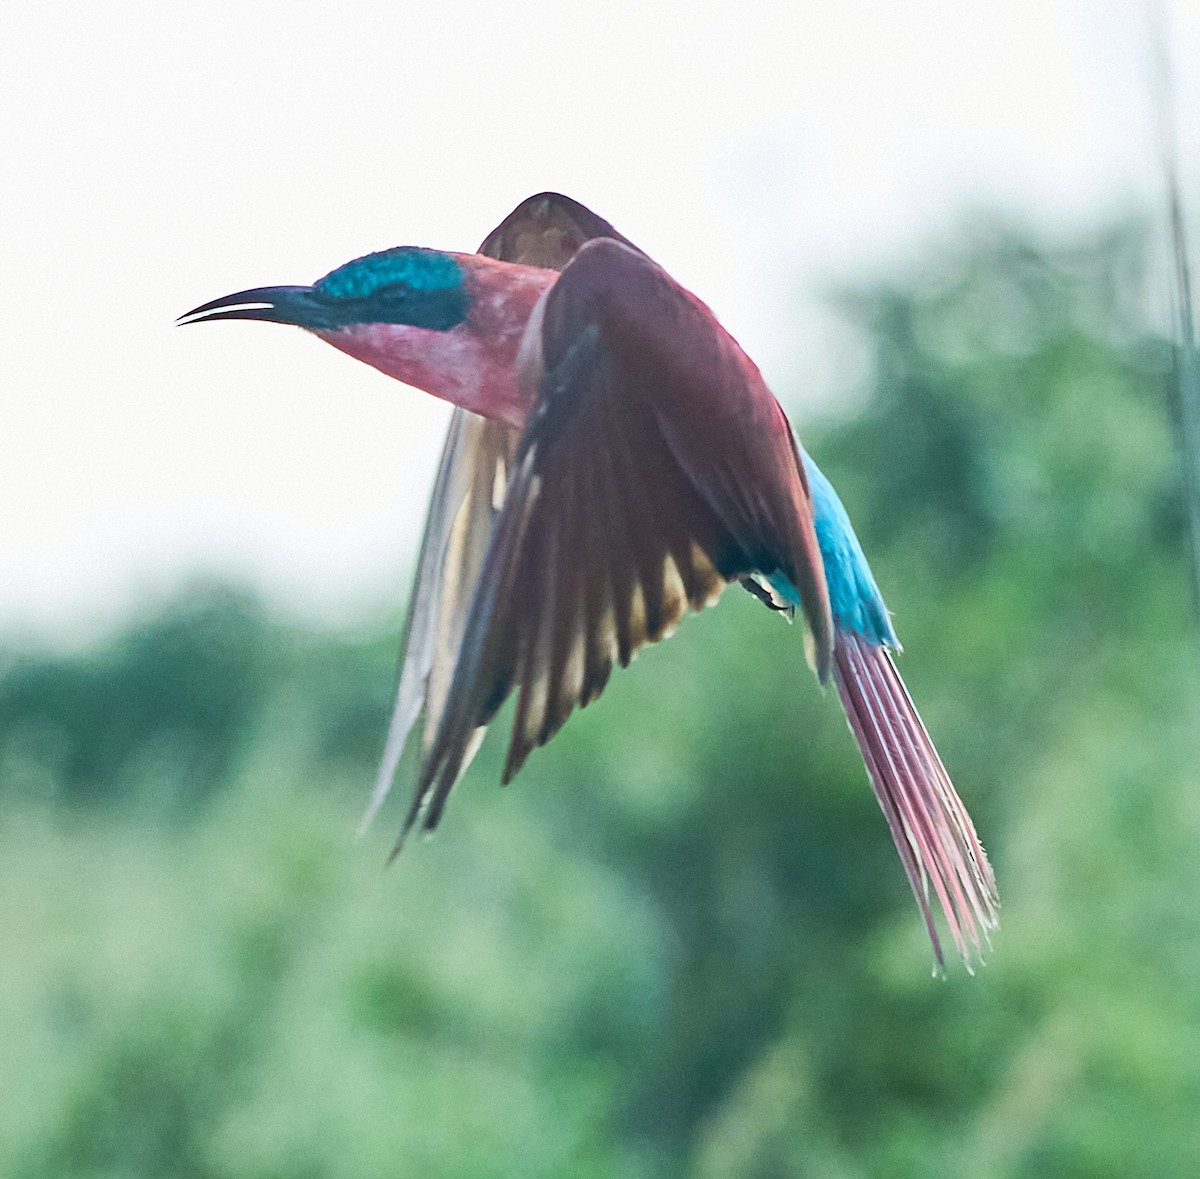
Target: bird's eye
{"x":394,"y":294}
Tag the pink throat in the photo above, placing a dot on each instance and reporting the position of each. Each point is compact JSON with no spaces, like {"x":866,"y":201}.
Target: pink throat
{"x":474,"y":364}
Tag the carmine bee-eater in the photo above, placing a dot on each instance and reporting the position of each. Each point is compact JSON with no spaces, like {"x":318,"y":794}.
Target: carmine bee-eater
{"x":615,"y":460}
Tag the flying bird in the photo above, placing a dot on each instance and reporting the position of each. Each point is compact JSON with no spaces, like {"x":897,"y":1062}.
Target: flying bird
{"x":614,"y":460}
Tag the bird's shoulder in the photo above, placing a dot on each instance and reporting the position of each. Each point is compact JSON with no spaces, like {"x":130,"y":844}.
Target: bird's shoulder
{"x":627,"y":312}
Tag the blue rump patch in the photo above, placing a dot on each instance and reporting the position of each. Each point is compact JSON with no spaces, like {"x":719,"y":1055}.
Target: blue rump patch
{"x":854,"y":597}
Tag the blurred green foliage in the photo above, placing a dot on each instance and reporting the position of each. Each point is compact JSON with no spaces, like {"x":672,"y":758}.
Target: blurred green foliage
{"x":681,"y":944}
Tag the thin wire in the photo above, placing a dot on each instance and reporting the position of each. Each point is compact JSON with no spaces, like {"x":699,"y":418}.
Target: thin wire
{"x":1184,"y":391}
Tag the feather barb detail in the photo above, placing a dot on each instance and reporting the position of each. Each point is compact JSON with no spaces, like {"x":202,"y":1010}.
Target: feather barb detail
{"x":930,"y":826}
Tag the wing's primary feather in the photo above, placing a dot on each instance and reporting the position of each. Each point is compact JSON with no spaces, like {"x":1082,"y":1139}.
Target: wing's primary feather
{"x":466,"y":498}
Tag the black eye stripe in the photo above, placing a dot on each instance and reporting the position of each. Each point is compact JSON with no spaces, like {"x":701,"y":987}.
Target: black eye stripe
{"x":438,"y":310}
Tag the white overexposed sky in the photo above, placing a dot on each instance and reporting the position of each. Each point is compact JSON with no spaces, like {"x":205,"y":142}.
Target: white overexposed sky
{"x":157,"y":155}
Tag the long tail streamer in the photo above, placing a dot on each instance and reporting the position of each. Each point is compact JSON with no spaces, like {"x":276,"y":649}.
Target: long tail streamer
{"x":930,"y":826}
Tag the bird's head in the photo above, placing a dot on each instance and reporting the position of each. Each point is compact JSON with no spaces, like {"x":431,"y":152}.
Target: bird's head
{"x":408,"y":286}
{"x":447,"y":323}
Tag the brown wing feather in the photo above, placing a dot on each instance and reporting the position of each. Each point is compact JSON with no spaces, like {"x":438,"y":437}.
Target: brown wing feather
{"x":475,"y":458}
{"x":534,"y":616}
{"x":620,"y":517}
{"x":546,"y":230}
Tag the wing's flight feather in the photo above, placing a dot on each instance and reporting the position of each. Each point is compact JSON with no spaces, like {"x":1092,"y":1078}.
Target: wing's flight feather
{"x":462,"y":512}
{"x":482,"y":464}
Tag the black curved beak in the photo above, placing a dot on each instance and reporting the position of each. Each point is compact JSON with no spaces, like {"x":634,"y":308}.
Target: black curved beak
{"x":301,"y":306}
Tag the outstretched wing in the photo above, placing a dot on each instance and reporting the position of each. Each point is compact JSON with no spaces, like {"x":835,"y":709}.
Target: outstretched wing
{"x":656,"y":468}
{"x":545,"y":230}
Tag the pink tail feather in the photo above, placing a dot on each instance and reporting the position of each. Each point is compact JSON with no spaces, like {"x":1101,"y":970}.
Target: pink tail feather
{"x":930,"y":826}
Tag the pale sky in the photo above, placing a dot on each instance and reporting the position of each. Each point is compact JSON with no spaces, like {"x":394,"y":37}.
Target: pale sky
{"x":157,"y":155}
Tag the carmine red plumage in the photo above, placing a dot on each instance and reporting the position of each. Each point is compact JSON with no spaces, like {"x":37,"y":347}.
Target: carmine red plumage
{"x":472,"y":365}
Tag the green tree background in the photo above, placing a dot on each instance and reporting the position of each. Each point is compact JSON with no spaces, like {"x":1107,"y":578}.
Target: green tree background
{"x":680,"y":944}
